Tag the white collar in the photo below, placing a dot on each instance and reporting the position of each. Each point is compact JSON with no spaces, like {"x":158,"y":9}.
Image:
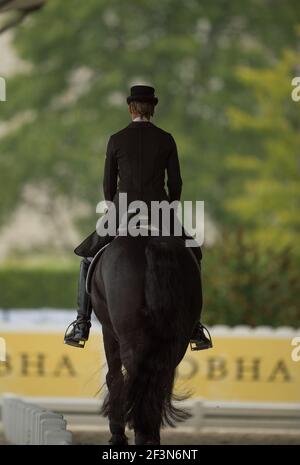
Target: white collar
{"x":139,"y":118}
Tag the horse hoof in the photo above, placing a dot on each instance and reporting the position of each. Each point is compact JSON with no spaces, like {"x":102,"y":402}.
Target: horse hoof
{"x":143,"y":440}
{"x":118,"y":440}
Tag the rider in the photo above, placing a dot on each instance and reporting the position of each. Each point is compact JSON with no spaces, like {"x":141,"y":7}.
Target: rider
{"x":137,"y":166}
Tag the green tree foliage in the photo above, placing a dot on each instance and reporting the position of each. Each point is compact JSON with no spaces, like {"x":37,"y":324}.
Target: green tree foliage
{"x":270,"y":171}
{"x":83,"y":57}
{"x":244,"y":285}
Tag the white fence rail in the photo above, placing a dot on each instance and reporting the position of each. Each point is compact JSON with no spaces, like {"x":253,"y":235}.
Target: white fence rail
{"x":85,"y":412}
{"x":28,"y":423}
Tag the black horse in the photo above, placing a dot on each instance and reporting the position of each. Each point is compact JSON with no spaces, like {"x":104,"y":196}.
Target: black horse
{"x":140,"y":287}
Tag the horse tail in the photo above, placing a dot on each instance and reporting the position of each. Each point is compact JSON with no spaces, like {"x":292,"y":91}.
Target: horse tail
{"x":149,"y":393}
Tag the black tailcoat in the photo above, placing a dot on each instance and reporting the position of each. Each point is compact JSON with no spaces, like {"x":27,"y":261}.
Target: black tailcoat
{"x":138,"y":159}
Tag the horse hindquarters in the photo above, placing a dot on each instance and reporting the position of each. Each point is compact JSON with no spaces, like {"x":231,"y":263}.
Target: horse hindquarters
{"x":167,"y":328}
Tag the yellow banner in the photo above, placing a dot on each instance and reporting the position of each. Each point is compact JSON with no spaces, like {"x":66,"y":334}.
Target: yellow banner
{"x":237,"y":368}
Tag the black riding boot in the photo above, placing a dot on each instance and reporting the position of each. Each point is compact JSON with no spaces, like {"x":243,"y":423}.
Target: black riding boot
{"x":80,"y":328}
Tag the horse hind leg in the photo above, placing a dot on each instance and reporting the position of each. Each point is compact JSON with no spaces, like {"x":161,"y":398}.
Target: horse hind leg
{"x":113,"y":405}
{"x":142,"y":438}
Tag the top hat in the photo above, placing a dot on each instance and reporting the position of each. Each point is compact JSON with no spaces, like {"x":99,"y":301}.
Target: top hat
{"x":142,"y":94}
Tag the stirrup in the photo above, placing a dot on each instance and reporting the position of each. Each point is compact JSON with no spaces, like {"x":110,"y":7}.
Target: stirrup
{"x":205,"y":343}
{"x":69,"y":339}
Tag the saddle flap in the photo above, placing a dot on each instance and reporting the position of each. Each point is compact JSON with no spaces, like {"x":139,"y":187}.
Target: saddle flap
{"x":92,"y":267}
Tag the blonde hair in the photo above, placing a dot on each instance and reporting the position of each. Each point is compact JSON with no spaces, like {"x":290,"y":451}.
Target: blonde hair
{"x":142,"y":108}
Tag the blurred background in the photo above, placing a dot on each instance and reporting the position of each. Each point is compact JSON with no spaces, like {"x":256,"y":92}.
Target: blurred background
{"x":222,"y":71}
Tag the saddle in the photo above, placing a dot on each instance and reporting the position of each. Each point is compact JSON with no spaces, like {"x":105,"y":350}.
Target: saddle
{"x":139,"y":226}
